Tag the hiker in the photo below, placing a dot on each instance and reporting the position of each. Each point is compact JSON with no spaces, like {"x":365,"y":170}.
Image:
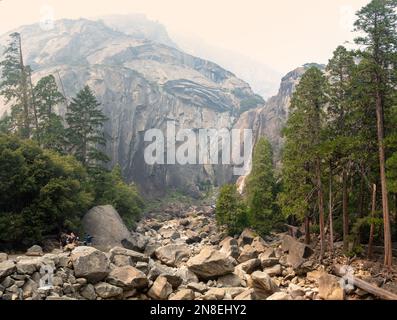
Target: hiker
{"x":88,"y":239}
{"x":72,"y":239}
{"x":63,"y":240}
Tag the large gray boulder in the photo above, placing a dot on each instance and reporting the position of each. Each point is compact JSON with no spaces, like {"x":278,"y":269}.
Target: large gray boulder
{"x":90,"y":263}
{"x":88,"y":292}
{"x":26,"y":265}
{"x":133,"y":255}
{"x":173,"y":254}
{"x":128,"y":277}
{"x":249,"y":266}
{"x":106,"y":226}
{"x":263,"y":284}
{"x":298,"y":252}
{"x":6,"y":268}
{"x":210,"y":263}
{"x":35,"y":251}
{"x":174,"y":276}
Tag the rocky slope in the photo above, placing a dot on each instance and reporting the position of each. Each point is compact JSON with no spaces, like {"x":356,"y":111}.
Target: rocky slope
{"x":178,"y":255}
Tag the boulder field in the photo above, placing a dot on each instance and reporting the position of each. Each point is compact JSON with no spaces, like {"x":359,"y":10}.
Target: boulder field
{"x":176,"y":255}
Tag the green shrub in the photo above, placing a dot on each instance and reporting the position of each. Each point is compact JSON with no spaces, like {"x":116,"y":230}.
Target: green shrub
{"x":315,"y":229}
{"x":230,"y":210}
{"x":41,"y":192}
{"x":263,"y":212}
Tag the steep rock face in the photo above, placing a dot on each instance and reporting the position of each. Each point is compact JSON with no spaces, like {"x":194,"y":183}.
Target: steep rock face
{"x":141,"y":85}
{"x":269,"y":120}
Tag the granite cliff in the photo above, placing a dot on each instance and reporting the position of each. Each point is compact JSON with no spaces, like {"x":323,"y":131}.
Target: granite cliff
{"x":142,"y":82}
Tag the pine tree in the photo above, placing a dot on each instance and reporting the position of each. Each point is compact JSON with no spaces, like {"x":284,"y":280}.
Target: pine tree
{"x":230,"y":210}
{"x":51,"y":132}
{"x":302,"y":154}
{"x":14,"y":87}
{"x":378,"y":22}
{"x":297,"y":189}
{"x":85,"y":129}
{"x":260,"y":190}
{"x":340,"y":70}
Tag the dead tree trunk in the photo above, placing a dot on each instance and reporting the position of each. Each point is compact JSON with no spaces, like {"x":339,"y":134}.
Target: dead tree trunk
{"x":363,"y":285}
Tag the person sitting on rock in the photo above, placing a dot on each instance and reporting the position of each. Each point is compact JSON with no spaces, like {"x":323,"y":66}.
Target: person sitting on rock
{"x":63,"y":239}
{"x":73,"y":238}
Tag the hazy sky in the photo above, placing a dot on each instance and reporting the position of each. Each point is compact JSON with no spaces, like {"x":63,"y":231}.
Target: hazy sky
{"x":280,"y":33}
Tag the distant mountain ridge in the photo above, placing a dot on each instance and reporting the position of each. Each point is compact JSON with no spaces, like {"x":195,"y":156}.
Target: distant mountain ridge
{"x":139,"y":27}
{"x":263,"y":79}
